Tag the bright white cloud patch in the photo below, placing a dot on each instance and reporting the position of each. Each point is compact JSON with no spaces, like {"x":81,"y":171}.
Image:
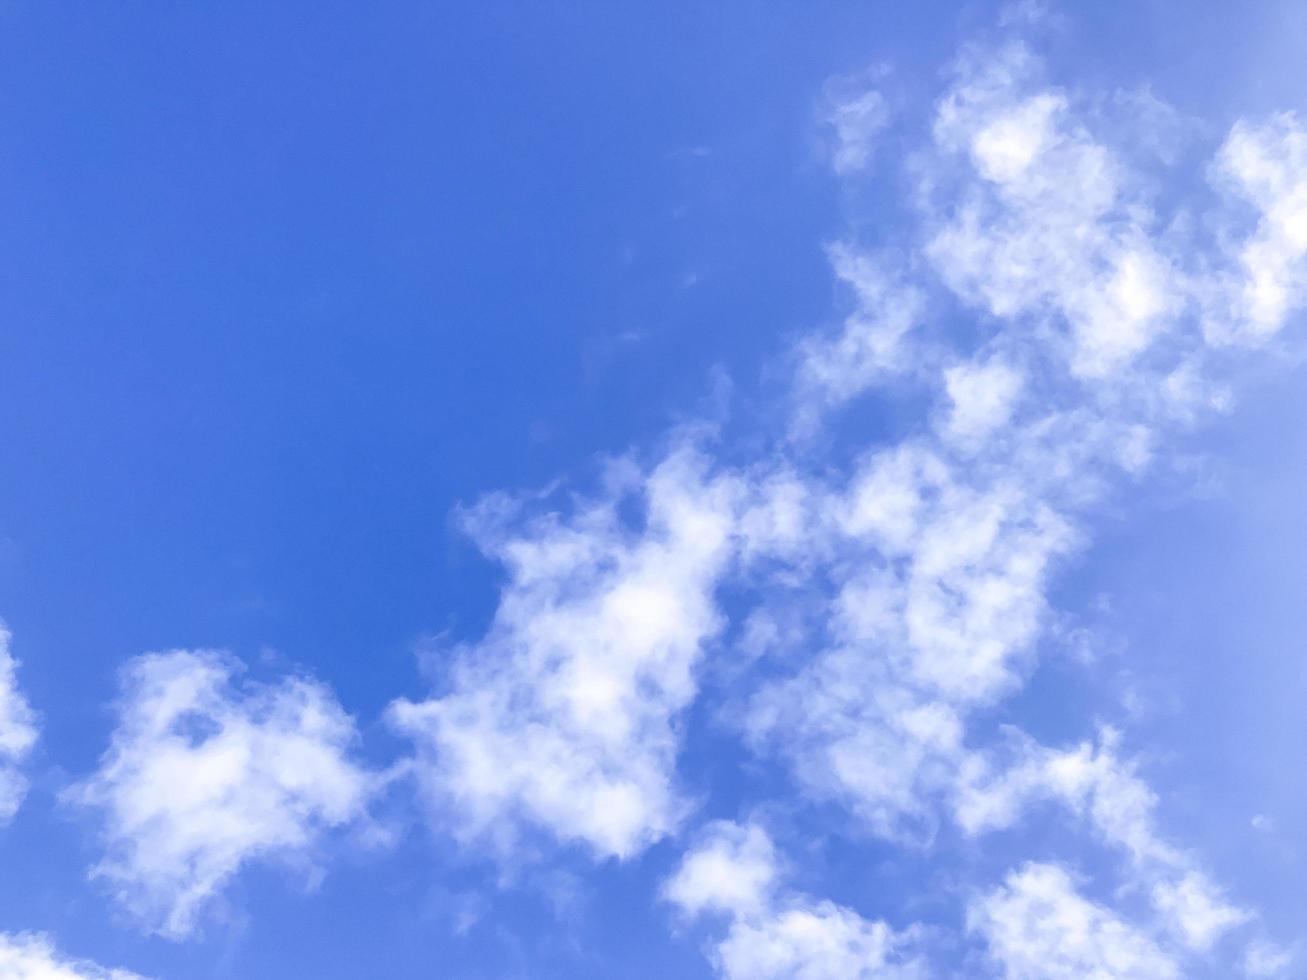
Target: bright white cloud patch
{"x":562,"y":716}
{"x":203,"y":776}
{"x":17,"y":732}
{"x":775,"y":934}
{"x":33,"y":957}
{"x":1038,"y":927}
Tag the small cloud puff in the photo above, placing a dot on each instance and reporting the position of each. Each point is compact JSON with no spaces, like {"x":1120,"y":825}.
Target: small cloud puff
{"x":774,"y":933}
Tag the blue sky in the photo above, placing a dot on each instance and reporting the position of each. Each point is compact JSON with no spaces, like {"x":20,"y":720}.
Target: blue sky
{"x":594,"y":490}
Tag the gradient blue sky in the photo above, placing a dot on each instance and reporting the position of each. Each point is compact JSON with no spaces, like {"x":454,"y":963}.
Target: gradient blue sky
{"x":283,"y":289}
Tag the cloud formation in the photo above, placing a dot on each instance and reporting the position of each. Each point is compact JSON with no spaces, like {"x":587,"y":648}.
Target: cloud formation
{"x":774,"y":933}
{"x":561,"y":717}
{"x":34,"y":957}
{"x":18,"y":733}
{"x":1038,"y":927}
{"x":1099,"y":334}
{"x":204,"y":775}
{"x":1053,"y":321}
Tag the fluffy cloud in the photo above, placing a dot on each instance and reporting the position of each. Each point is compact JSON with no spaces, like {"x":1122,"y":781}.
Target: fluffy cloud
{"x":1093,"y":782}
{"x":1266,"y":165}
{"x":17,"y":732}
{"x":733,"y":870}
{"x":1195,"y":909}
{"x":940,"y":598}
{"x":981,"y":397}
{"x":774,"y":934}
{"x":203,"y":776}
{"x":33,"y":957}
{"x":891,"y":595}
{"x":938,"y":551}
{"x":562,"y":716}
{"x":1038,"y":927}
{"x":1044,"y":220}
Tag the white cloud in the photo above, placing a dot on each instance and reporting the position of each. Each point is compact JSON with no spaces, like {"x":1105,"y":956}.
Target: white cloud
{"x":970,"y":560}
{"x":894,"y":600}
{"x":857,"y":122}
{"x":853,"y":735}
{"x":1196,"y":910}
{"x":937,"y":552}
{"x":732,"y":870}
{"x":203,"y":777}
{"x":820,"y":941}
{"x":775,"y":934}
{"x":871,"y":344}
{"x":1266,"y":165}
{"x":1053,"y":227}
{"x":1007,"y":145}
{"x":1090,"y":780}
{"x":1038,"y":927}
{"x":1265,"y":959}
{"x":34,"y":957}
{"x":562,"y":716}
{"x":1094,"y":783}
{"x":982,"y":398}
{"x":18,"y":732}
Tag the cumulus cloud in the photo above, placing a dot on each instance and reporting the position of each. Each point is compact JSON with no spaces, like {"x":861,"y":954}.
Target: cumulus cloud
{"x":561,"y":718}
{"x":204,"y":775}
{"x":1044,"y":221}
{"x":891,"y":595}
{"x":939,"y":550}
{"x":1038,"y":927}
{"x":774,"y":933}
{"x":1265,"y":164}
{"x":34,"y":957}
{"x":733,"y":870}
{"x":18,"y":732}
